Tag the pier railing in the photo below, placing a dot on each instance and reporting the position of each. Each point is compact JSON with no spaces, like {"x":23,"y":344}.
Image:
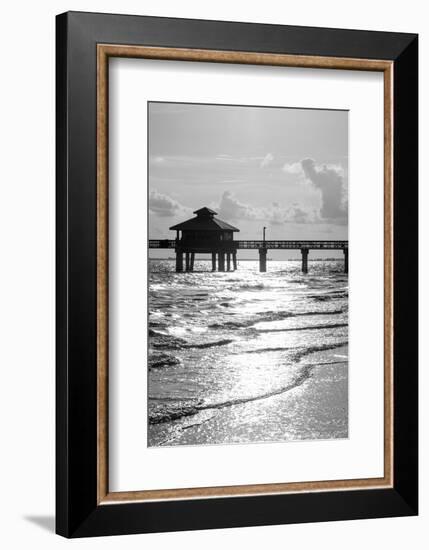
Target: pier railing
{"x":162,"y":243}
{"x":293,"y":245}
{"x":272,"y":245}
{"x":228,"y":249}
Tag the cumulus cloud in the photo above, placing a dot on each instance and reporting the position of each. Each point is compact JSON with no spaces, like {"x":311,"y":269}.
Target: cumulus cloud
{"x":231,"y":208}
{"x":163,"y":205}
{"x":293,"y":168}
{"x":329,"y":180}
{"x":268,"y":159}
{"x":296,"y":214}
{"x":277,"y":215}
{"x":326,"y":180}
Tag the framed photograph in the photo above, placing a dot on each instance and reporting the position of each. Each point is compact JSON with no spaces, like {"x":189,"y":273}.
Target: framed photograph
{"x":236,"y":274}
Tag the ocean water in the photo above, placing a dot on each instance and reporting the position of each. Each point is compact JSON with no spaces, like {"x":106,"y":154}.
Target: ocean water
{"x":247,"y":357}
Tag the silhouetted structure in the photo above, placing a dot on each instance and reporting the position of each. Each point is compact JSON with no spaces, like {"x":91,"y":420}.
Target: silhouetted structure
{"x":205,"y":234}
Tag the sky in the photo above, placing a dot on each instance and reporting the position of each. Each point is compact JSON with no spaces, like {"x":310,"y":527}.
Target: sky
{"x":285,"y":169}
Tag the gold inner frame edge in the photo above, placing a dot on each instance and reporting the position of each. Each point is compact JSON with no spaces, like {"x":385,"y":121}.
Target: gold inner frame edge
{"x":104,"y":52}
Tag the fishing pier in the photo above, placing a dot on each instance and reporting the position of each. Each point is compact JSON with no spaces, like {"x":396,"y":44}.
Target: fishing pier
{"x":206,"y":234}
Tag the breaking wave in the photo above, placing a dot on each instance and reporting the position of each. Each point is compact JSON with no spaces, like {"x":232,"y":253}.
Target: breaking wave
{"x":169,"y":342}
{"x":169,"y":414}
{"x":270,"y":316}
{"x":308,"y":327}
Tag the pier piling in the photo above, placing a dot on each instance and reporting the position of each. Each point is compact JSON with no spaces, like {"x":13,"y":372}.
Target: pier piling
{"x":304,"y":253}
{"x":221,"y":261}
{"x":179,"y":261}
{"x":263,"y":259}
{"x":186,"y":248}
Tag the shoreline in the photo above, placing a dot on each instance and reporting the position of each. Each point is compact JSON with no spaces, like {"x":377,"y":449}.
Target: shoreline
{"x":315,"y":409}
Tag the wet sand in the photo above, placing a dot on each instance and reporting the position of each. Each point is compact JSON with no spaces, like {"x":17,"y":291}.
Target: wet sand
{"x":315,"y":409}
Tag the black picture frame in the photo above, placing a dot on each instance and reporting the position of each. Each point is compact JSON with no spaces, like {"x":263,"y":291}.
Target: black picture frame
{"x":78,"y":513}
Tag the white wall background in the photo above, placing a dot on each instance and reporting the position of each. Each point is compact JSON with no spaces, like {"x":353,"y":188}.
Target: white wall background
{"x":27,"y":109}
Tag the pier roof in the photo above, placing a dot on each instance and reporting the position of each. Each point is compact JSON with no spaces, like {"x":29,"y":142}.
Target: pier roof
{"x":205,"y":220}
{"x":204,"y":211}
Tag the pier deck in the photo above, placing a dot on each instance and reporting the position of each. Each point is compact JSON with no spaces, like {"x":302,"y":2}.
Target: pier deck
{"x":262,"y":246}
{"x":270,"y":245}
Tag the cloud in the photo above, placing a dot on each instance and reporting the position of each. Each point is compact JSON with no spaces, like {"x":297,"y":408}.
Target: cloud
{"x":231,"y":208}
{"x":296,"y":214}
{"x":293,"y":168}
{"x":163,"y":205}
{"x":329,"y":180}
{"x":277,"y":215}
{"x":268,"y":159}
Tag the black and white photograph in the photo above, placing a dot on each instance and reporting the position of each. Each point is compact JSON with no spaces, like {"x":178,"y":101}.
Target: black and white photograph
{"x":248,"y":274}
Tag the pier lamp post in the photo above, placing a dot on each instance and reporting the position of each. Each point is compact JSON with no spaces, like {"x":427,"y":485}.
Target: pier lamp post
{"x":263,"y":231}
